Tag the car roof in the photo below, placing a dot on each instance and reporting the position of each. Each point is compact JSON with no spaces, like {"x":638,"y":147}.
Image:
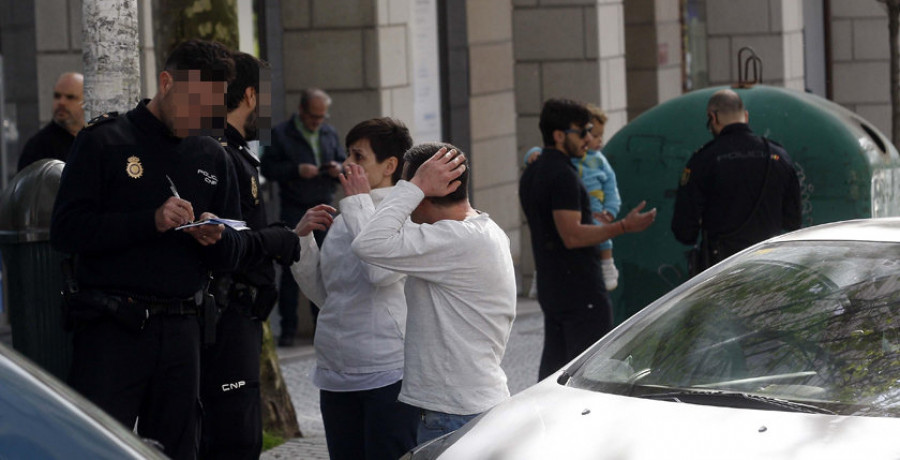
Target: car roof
{"x":881,"y":229}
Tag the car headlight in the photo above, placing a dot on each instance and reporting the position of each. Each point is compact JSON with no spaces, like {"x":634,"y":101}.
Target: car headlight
{"x":431,"y":450}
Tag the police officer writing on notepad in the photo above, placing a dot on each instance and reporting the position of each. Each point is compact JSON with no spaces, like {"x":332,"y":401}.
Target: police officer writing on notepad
{"x":229,"y":388}
{"x":140,"y":282}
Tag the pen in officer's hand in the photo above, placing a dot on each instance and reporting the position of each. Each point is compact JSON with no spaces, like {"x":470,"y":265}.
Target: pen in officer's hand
{"x":172,"y":187}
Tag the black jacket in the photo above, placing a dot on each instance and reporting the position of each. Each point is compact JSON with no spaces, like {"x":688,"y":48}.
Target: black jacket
{"x":113,"y":183}
{"x":52,"y":141}
{"x":721,"y":185}
{"x":256,"y":266}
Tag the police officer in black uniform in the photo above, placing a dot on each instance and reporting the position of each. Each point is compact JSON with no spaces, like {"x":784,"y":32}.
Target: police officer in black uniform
{"x":230,"y":389}
{"x":139,"y":284}
{"x":738,"y":189}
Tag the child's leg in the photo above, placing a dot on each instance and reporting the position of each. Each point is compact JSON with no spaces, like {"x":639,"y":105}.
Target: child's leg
{"x":608,"y":267}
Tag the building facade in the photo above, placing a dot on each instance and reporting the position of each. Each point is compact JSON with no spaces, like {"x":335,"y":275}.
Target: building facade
{"x":475,"y":72}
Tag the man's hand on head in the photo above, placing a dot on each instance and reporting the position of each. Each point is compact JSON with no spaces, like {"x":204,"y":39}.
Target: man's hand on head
{"x":437,"y":175}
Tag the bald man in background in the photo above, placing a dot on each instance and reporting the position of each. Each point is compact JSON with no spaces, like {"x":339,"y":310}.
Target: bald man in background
{"x":55,"y":139}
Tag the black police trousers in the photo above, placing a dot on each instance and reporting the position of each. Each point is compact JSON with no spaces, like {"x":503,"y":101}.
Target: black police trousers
{"x":148,"y":376}
{"x":229,"y":388}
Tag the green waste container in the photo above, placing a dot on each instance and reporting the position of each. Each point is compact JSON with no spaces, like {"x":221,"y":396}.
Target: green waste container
{"x":847,"y":168}
{"x":32,"y":274}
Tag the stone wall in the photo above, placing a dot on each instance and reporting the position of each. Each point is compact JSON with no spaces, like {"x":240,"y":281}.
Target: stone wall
{"x":773,"y":28}
{"x":492,"y":112}
{"x":356,"y":50}
{"x":653,"y":53}
{"x":860,"y":69}
{"x":568,"y":48}
{"x":17,"y":38}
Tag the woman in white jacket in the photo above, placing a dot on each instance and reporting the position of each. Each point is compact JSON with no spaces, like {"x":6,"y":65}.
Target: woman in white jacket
{"x":359,"y":335}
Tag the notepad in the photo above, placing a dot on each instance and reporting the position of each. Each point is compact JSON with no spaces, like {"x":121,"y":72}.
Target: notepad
{"x":235,"y":224}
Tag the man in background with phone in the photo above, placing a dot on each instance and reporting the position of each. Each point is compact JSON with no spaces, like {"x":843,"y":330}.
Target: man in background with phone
{"x":305,"y":160}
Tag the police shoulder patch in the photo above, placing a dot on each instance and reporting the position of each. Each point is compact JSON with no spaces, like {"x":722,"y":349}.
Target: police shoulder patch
{"x":108,"y":116}
{"x":685,"y":176}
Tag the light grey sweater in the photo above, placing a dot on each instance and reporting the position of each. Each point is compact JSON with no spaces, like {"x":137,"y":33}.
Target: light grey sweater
{"x":461,"y":300}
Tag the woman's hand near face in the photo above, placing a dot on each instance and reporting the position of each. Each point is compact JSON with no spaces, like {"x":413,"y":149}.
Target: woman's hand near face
{"x":354,"y":180}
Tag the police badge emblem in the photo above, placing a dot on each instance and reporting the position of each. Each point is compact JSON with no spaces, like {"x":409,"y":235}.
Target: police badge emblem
{"x":134,"y":168}
{"x":254,"y":190}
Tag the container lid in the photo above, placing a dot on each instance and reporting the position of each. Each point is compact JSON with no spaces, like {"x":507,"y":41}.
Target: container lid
{"x":26,"y":204}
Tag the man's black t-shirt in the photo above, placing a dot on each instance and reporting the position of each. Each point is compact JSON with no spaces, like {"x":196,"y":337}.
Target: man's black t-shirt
{"x":567,"y":278}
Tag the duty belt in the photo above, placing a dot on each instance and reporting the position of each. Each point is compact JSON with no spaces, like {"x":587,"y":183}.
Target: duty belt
{"x":156,"y":306}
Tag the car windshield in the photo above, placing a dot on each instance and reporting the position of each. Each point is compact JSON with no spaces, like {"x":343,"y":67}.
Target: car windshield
{"x":811,"y":323}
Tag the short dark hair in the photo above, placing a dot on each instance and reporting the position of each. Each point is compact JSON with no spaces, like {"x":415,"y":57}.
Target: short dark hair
{"x":309,"y":94}
{"x":560,"y":114}
{"x":246,"y":75}
{"x":212,"y":59}
{"x":388,"y":137}
{"x":420,"y":153}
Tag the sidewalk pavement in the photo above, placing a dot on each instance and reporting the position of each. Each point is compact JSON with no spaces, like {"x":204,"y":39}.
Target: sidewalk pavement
{"x":520,"y":363}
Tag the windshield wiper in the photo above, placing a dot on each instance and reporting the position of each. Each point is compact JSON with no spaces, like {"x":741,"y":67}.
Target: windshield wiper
{"x":729,"y":398}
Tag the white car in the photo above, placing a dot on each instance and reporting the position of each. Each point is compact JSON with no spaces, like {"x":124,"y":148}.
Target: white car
{"x":787,"y":350}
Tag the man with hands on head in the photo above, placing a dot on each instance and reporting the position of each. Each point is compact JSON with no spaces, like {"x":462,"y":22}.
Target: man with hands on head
{"x":141,"y":284}
{"x":460,"y":288}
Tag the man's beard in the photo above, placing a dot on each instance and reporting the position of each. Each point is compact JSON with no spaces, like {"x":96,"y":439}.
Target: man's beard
{"x":573,"y":149}
{"x":63,"y":118}
{"x":251,"y":130}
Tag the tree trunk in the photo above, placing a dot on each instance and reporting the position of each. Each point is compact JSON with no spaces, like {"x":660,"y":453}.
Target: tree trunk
{"x":111,"y":55}
{"x":177,"y":20}
{"x":279,"y":415}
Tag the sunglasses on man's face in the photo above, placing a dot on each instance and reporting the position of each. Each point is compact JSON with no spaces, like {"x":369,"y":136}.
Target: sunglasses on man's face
{"x":583,"y":132}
